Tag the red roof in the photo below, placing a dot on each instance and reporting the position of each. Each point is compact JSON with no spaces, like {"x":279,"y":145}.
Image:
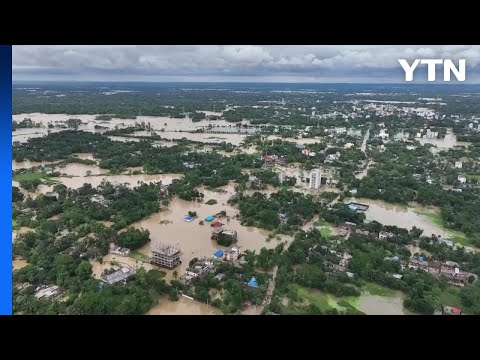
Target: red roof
{"x":217,"y":224}
{"x":456,"y":310}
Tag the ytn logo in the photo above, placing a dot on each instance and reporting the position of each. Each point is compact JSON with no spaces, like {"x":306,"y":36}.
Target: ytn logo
{"x":448,"y":68}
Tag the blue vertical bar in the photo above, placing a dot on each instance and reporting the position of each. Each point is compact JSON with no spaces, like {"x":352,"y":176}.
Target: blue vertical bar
{"x":6,"y":180}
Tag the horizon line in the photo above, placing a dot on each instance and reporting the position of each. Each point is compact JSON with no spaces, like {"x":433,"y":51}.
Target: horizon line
{"x":244,"y":82}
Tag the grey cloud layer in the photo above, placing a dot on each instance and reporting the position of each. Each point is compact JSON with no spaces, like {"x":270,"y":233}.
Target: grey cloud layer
{"x":228,"y":62}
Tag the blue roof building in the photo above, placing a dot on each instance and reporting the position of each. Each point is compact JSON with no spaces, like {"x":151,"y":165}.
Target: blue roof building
{"x":253,"y":282}
{"x":353,"y":207}
{"x":218,"y":254}
{"x":209,"y":218}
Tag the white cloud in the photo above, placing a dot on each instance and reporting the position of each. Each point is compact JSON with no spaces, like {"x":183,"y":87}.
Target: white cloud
{"x":192,"y":62}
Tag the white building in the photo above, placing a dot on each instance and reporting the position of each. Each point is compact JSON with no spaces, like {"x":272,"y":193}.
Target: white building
{"x":315,"y":179}
{"x":462,"y":179}
{"x":383,"y":134}
{"x":281,"y":176}
{"x":232,"y":254}
{"x":458,"y":164}
{"x":431,"y":134}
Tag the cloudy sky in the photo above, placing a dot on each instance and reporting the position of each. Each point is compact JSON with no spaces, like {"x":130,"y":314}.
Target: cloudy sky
{"x":251,"y":63}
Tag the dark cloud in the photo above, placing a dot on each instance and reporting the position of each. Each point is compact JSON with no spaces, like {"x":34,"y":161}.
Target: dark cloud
{"x":229,"y":62}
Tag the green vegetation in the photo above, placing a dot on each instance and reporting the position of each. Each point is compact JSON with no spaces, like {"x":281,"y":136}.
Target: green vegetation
{"x":311,"y":301}
{"x":262,"y":211}
{"x":376,"y":289}
{"x":456,"y":236}
{"x":103,"y":117}
{"x":139,"y":256}
{"x":450,"y":296}
{"x":133,"y":238}
{"x":211,"y":202}
{"x":326,"y":233}
{"x":17,"y":194}
{"x":24,"y":124}
{"x":233,"y":286}
{"x":29,"y":177}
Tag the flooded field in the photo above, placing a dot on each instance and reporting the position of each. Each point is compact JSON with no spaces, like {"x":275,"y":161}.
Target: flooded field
{"x":130,"y":180}
{"x":27,"y":164}
{"x":41,"y":189}
{"x":89,"y":122}
{"x":448,"y":142}
{"x":381,"y":305}
{"x":22,"y":135}
{"x":19,"y":263}
{"x":80,"y":170}
{"x":404,"y":217}
{"x":183,"y":306}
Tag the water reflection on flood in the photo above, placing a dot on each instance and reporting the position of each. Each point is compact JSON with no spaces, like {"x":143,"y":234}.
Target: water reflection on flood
{"x":382,"y":305}
{"x":19,"y":264}
{"x":395,"y":215}
{"x":130,"y":180}
{"x":448,"y":142}
{"x":80,"y":170}
{"x":183,"y":306}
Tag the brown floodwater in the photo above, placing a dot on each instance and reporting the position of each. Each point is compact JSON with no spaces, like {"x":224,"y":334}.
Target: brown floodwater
{"x":448,"y":142}
{"x":41,"y":189}
{"x":132,"y":180}
{"x":28,"y":164}
{"x":80,"y":170}
{"x":404,"y":217}
{"x":19,"y":263}
{"x":381,"y":305}
{"x":98,"y":268}
{"x":85,"y":156}
{"x":194,"y":239}
{"x":183,"y":306}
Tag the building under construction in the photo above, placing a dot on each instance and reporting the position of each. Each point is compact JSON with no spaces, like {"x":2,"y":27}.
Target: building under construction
{"x":164,"y":255}
{"x":217,"y":232}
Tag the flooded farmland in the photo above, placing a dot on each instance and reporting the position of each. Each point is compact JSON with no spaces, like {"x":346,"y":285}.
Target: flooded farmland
{"x":19,"y":264}
{"x":76,"y":182}
{"x":183,"y":306}
{"x":382,"y":305}
{"x":395,"y":215}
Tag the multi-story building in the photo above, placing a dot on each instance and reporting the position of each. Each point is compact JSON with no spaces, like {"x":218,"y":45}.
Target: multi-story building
{"x":315,"y":179}
{"x":164,"y":255}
